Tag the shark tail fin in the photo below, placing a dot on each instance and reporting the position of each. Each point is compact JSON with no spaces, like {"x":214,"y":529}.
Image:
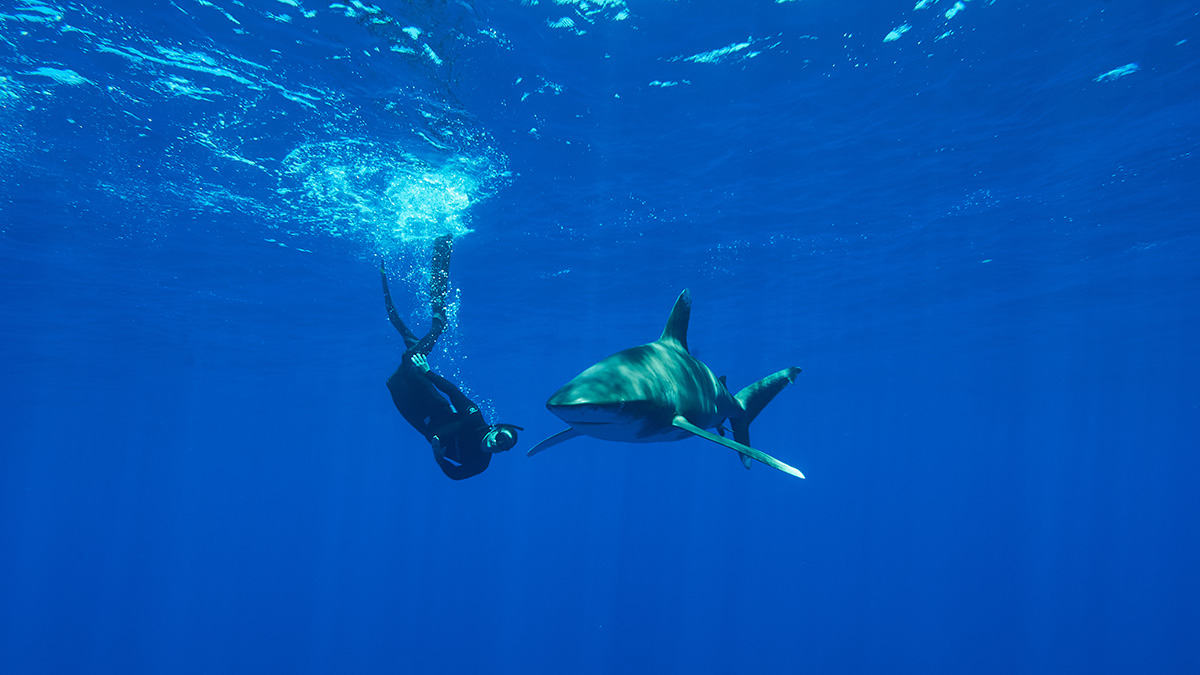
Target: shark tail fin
{"x":754,"y":398}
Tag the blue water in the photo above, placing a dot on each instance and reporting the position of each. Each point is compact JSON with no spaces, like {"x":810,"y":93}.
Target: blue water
{"x":975,"y":230}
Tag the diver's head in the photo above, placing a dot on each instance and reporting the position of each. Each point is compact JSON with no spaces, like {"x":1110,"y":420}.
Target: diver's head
{"x":500,"y":437}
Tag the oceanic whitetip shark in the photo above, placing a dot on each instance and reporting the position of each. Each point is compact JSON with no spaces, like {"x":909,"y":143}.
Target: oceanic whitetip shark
{"x":659,"y":392}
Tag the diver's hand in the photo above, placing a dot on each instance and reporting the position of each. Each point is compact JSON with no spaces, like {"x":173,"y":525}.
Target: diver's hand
{"x":420,"y":362}
{"x":439,"y":453}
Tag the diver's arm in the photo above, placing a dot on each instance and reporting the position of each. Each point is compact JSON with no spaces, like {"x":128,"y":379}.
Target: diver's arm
{"x":456,"y":471}
{"x":439,"y":451}
{"x":461,"y":471}
{"x":387,"y":300}
{"x":461,"y":403}
{"x":449,"y":441}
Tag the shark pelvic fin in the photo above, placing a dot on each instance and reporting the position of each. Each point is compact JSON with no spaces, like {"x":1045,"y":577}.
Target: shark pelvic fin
{"x":677,"y":324}
{"x":564,"y":435}
{"x":745,"y":450}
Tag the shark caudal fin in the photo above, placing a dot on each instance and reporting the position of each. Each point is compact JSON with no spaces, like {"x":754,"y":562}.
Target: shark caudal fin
{"x":753,"y":399}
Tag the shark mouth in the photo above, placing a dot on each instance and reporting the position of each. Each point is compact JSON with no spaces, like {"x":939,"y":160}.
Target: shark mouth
{"x":623,"y":421}
{"x":584,"y":414}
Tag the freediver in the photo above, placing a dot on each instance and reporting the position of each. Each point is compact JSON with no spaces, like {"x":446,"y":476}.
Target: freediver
{"x":463,"y":442}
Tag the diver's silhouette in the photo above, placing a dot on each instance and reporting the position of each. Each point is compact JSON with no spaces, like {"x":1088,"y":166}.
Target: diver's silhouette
{"x":463,"y":442}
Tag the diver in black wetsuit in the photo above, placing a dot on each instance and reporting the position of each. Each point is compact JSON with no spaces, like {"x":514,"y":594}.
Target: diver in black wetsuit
{"x":463,"y":442}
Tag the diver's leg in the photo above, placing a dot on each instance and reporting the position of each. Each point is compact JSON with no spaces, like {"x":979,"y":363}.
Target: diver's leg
{"x":415,"y":397}
{"x":439,"y":289}
{"x":409,"y":338}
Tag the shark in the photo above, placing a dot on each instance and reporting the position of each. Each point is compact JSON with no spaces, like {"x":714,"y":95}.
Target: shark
{"x":659,"y":392}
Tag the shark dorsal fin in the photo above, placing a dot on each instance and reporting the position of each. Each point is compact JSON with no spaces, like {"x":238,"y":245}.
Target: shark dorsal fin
{"x":677,"y":323}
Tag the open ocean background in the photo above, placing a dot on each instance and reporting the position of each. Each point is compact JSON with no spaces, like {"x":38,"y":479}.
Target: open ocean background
{"x":976,"y":227}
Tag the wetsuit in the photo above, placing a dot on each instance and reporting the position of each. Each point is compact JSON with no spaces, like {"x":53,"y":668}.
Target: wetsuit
{"x":460,"y":435}
{"x":457,"y":423}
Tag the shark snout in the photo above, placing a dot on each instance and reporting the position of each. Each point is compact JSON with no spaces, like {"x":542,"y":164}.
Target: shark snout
{"x":577,"y":403}
{"x":564,"y":397}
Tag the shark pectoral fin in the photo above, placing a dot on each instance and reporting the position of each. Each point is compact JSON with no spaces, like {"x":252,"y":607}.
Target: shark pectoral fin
{"x":745,"y":450}
{"x":564,"y":435}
